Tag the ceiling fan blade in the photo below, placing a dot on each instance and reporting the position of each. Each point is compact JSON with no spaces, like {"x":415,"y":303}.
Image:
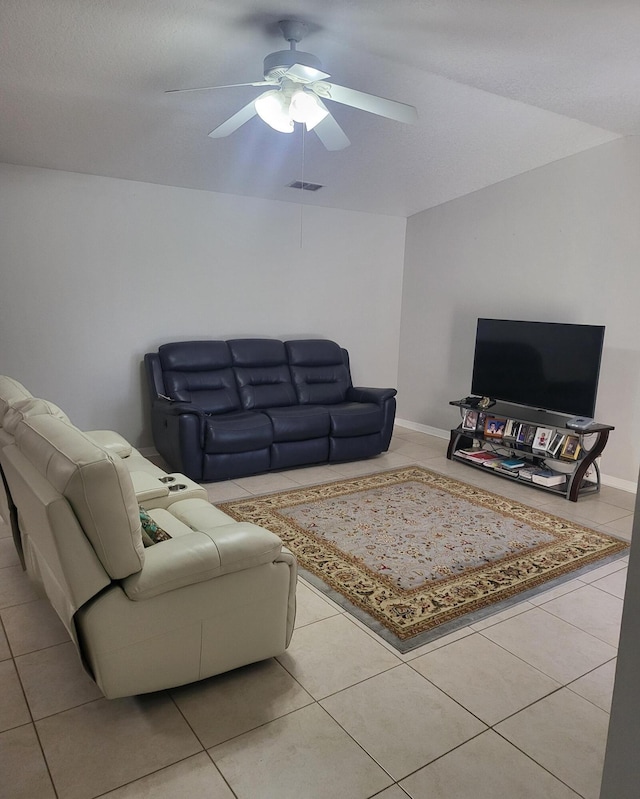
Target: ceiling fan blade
{"x":229,"y":86}
{"x":233,"y":123}
{"x":331,"y":134}
{"x":369,"y":102}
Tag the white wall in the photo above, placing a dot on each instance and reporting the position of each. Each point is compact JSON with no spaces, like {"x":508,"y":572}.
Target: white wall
{"x":560,"y":243}
{"x":94,"y":272}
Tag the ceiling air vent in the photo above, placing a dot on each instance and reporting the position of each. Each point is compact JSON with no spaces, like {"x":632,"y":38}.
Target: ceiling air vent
{"x":304,"y":185}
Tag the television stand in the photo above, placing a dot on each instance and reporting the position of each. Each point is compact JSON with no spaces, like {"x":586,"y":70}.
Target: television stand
{"x":554,"y":457}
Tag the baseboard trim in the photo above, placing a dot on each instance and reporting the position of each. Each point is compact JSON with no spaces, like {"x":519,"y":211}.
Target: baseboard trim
{"x":616,"y":482}
{"x":423,"y":428}
{"x":605,"y":479}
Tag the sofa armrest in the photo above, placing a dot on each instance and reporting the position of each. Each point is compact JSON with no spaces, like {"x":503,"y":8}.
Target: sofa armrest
{"x":176,"y":407}
{"x":165,"y":406}
{"x":111,"y":441}
{"x":200,"y":556}
{"x":377,"y":395}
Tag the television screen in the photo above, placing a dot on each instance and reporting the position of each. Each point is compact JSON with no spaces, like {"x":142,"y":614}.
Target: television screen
{"x":544,"y":365}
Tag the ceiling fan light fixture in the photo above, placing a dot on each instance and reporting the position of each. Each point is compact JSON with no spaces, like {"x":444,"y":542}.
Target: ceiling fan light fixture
{"x":272,"y":109}
{"x":305,"y":107}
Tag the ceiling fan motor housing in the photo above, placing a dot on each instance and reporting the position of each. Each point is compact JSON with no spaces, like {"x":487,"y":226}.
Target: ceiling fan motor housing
{"x":276,"y":64}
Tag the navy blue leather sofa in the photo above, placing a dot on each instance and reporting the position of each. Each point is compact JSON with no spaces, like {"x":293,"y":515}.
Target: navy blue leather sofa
{"x":225,"y":409}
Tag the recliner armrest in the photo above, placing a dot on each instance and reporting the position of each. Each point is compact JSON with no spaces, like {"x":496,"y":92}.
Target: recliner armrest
{"x":111,"y":441}
{"x":200,"y":556}
{"x":169,"y":407}
{"x":176,"y":407}
{"x":377,"y":395}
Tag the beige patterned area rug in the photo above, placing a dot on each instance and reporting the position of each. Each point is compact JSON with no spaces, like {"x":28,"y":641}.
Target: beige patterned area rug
{"x":415,"y":554}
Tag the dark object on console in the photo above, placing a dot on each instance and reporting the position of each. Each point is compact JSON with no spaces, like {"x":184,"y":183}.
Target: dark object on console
{"x":225,"y":409}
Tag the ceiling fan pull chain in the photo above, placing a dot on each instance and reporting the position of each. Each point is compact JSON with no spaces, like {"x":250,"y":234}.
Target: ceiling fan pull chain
{"x":304,"y":133}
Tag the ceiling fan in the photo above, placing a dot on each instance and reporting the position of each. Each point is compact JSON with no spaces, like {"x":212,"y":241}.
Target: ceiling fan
{"x":297,"y":88}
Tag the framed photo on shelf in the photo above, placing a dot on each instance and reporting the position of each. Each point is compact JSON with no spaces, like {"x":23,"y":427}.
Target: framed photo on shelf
{"x":522,"y":433}
{"x":556,"y":445}
{"x":494,"y":428}
{"x":510,"y":429}
{"x":531,"y":434}
{"x":570,"y":448}
{"x":542,"y":439}
{"x":470,"y":421}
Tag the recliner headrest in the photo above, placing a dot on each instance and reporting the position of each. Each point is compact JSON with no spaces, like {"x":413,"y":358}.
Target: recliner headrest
{"x":11,"y":392}
{"x":314,"y":352}
{"x":194,"y":356}
{"x":31,"y":407}
{"x":257,"y":352}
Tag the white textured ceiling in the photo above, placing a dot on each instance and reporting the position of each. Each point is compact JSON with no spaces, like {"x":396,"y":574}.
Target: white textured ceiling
{"x":501,"y":87}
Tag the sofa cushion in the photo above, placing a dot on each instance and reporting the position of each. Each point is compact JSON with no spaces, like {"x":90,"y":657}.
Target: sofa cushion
{"x":200,"y":372}
{"x":355,"y":419}
{"x":243,"y":431}
{"x":257,"y":352}
{"x":298,"y":422}
{"x":262,"y":373}
{"x":95,"y":484}
{"x":204,"y":555}
{"x":319,"y":371}
{"x":265,"y":386}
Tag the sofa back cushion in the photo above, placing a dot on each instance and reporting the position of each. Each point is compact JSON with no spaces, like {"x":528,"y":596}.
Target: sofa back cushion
{"x":11,"y":392}
{"x":96,"y":485}
{"x":319,"y":371}
{"x":200,"y":372}
{"x":26,"y":408}
{"x":262,"y":373}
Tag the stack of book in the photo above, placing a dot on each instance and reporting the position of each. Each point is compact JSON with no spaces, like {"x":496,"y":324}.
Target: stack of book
{"x":548,"y":477}
{"x":513,"y":464}
{"x":527,"y":472}
{"x":480,"y":456}
{"x":509,"y":466}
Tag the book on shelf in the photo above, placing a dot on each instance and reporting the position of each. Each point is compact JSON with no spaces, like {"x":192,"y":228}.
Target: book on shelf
{"x":527,"y":472}
{"x":492,"y":463}
{"x":547,"y":477}
{"x":512,"y":473}
{"x":477,"y":455}
{"x":513,"y":463}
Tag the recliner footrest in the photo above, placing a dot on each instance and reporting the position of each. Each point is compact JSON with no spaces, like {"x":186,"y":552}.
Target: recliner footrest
{"x":237,"y":432}
{"x":355,"y":419}
{"x":298,"y":422}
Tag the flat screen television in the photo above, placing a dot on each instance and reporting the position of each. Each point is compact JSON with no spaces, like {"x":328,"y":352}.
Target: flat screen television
{"x":546,"y":365}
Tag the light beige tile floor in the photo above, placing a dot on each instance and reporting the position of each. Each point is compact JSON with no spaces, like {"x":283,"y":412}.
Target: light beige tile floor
{"x":515,"y":705}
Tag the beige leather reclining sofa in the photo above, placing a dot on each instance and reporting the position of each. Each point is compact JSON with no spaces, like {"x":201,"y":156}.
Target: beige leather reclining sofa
{"x":215,"y":595}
